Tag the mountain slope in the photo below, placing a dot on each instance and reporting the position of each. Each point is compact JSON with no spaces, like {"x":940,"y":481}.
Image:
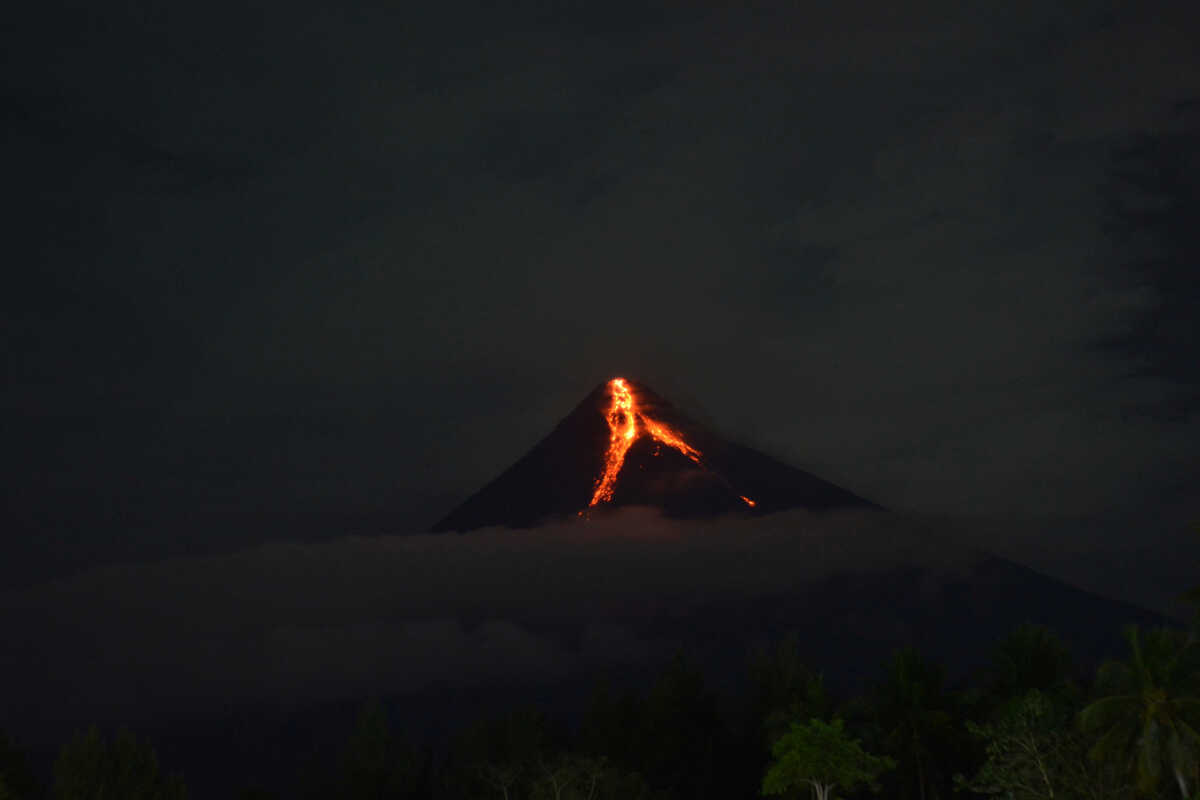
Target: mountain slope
{"x":671,"y":463}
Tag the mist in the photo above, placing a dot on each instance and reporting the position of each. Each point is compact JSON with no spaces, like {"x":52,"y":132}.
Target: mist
{"x":294,"y":623}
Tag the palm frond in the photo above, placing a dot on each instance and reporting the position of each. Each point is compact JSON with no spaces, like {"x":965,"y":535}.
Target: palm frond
{"x":1149,"y":766}
{"x":1182,"y":753}
{"x":1133,"y":636}
{"x":1108,"y":709}
{"x":1114,"y":744}
{"x":1188,"y":732}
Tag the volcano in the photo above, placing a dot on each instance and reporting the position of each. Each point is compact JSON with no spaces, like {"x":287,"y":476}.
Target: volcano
{"x":625,"y":445}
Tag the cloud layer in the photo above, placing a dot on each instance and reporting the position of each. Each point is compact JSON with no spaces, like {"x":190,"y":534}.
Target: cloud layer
{"x":288,"y":623}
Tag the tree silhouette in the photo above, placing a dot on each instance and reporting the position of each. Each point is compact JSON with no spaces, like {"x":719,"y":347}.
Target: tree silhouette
{"x":89,"y":768}
{"x":1031,"y":657}
{"x":1034,"y":753}
{"x":822,"y":756}
{"x":911,"y":710}
{"x":16,"y":777}
{"x":682,"y":734}
{"x":786,"y":688}
{"x":613,"y":725}
{"x":576,"y":777}
{"x":376,"y":765}
{"x":498,"y":757}
{"x":1149,"y":715}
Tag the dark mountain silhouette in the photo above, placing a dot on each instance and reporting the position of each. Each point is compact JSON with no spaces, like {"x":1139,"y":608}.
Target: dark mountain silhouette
{"x":559,"y":475}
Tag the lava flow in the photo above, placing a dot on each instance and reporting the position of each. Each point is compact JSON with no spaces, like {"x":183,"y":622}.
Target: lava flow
{"x":625,"y":423}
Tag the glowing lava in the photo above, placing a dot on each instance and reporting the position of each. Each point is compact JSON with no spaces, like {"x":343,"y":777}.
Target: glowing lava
{"x":622,"y":430}
{"x":625,"y":423}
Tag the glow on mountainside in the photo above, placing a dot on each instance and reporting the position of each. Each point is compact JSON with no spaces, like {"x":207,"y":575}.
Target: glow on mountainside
{"x":622,"y":430}
{"x":625,"y":423}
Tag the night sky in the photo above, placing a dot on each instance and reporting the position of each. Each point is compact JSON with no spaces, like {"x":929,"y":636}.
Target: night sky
{"x":282,"y":273}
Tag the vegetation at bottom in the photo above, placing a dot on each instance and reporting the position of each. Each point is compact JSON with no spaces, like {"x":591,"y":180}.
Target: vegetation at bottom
{"x":1027,"y":727}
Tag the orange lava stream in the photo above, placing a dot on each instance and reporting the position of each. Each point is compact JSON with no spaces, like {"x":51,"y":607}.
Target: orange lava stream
{"x":622,"y":430}
{"x":623,"y":417}
{"x":668,"y":437}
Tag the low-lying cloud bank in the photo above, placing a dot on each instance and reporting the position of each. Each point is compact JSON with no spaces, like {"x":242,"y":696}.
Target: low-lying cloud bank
{"x":294,"y":623}
{"x":287,"y":623}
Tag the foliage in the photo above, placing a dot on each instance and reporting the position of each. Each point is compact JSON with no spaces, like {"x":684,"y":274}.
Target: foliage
{"x":1149,"y":714}
{"x":574,"y":777}
{"x":676,"y":741}
{"x":16,"y":777}
{"x":518,"y":756}
{"x":612,"y":725}
{"x":786,"y":688}
{"x":1034,"y":753}
{"x":498,"y":757}
{"x":376,"y":764}
{"x":823,"y":756}
{"x":682,"y":734}
{"x":911,"y":710}
{"x":1031,"y":657}
{"x":674,"y":737}
{"x":89,"y":768}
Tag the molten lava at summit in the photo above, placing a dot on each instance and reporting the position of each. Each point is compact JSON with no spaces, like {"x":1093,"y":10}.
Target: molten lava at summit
{"x":624,"y":445}
{"x":626,"y":422}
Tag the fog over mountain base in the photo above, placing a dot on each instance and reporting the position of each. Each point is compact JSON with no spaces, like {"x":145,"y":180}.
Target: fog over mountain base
{"x":290,"y":625}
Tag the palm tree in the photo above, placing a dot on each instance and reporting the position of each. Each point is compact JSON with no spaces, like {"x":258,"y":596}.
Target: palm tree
{"x":1149,"y":715}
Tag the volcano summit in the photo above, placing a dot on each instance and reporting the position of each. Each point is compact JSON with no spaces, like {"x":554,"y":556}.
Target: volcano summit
{"x":624,"y":445}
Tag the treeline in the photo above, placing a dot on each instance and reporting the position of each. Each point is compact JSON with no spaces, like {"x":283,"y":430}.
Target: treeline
{"x":1027,"y":726}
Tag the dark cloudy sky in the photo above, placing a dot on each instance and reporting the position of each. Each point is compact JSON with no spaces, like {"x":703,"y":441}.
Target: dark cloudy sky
{"x":283,"y":271}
